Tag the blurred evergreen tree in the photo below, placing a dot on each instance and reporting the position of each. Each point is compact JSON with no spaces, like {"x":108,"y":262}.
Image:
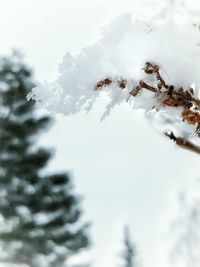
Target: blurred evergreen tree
{"x":129,"y":252}
{"x":40,"y":213}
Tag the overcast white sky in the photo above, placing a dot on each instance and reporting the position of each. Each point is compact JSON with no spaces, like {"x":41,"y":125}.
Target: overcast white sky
{"x":127,"y":172}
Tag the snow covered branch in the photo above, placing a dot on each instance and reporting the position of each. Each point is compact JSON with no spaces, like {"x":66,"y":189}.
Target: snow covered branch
{"x":154,"y":67}
{"x":167,"y":95}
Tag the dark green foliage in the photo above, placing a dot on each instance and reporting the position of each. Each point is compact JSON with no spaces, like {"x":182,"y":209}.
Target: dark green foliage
{"x":129,"y":253}
{"x":40,"y":212}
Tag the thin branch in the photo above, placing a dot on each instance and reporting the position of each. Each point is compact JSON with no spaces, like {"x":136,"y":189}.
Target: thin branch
{"x":183,"y":143}
{"x":148,"y":87}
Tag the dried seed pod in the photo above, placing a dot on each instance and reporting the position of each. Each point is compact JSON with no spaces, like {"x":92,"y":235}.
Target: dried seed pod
{"x":171,"y":102}
{"x":122,"y":83}
{"x":191,"y":117}
{"x":103,"y":83}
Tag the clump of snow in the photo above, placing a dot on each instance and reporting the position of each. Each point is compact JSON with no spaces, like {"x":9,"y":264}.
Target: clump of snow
{"x":122,"y":50}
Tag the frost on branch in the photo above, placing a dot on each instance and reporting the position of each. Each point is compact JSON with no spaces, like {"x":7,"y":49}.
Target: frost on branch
{"x":166,"y":96}
{"x":154,"y":67}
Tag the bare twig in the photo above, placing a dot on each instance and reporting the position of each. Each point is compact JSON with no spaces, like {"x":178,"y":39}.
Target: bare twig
{"x":151,"y":68}
{"x":148,"y":87}
{"x":183,"y":143}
